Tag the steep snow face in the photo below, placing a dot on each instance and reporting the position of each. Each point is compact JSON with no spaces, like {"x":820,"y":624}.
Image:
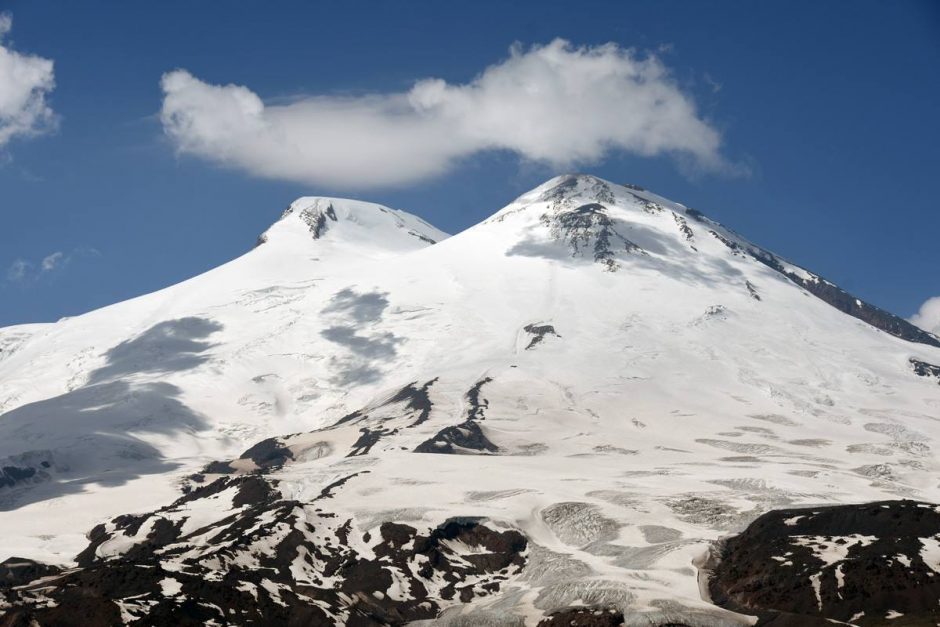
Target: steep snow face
{"x":12,"y":338}
{"x":103,"y":399}
{"x":609,"y":373}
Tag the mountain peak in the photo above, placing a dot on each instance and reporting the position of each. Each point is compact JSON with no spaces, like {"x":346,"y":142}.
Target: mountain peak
{"x":582,"y":216}
{"x":341,"y":220}
{"x":584,"y":387}
{"x":569,"y":186}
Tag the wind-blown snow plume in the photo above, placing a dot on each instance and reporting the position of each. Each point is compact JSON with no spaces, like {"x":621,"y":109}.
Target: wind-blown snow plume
{"x":556,"y":104}
{"x":25,"y":81}
{"x":928,"y":318}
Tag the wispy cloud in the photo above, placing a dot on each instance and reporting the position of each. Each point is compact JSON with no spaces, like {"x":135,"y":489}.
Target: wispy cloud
{"x":19,"y":270}
{"x":25,"y":82}
{"x":928,"y":317}
{"x":712,"y":83}
{"x":556,"y":104}
{"x":25,"y":271}
{"x":50,"y":262}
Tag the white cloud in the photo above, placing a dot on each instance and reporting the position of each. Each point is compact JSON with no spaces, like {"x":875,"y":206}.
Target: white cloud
{"x":19,"y":268}
{"x":556,"y":104}
{"x":23,"y":271}
{"x":928,"y":318}
{"x":50,"y":262}
{"x":25,"y":81}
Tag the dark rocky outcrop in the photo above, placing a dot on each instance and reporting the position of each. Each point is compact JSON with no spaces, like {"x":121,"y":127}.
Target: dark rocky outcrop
{"x":583,"y":617}
{"x":684,"y":227}
{"x":862,"y":564}
{"x":416,"y":399}
{"x":17,"y":571}
{"x":589,"y":227}
{"x":752,"y":290}
{"x":26,"y":468}
{"x":317,"y":220}
{"x":923,"y":369}
{"x":11,"y":475}
{"x":408,"y":407}
{"x":268,"y":454}
{"x":467,"y":437}
{"x":538,"y":331}
{"x":846,"y":303}
{"x":477,"y":403}
{"x":262,"y":560}
{"x":820,"y":288}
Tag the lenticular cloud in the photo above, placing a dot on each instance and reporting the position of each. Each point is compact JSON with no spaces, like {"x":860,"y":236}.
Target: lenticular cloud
{"x":556,"y":104}
{"x":25,"y":81}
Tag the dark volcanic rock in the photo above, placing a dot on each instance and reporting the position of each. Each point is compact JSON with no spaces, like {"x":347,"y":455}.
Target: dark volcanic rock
{"x":846,"y":303}
{"x":317,"y":220}
{"x":17,"y":571}
{"x":416,"y":399}
{"x":589,"y":226}
{"x":856,"y":563}
{"x":11,"y":475}
{"x":732,"y":246}
{"x":466,"y":437}
{"x":259,"y":559}
{"x":824,"y":290}
{"x":923,"y":369}
{"x":268,"y":454}
{"x":593,"y":617}
{"x":648,"y":206}
{"x":478,"y":404}
{"x":752,"y":290}
{"x":684,"y":227}
{"x":583,"y":617}
{"x":538,"y":331}
{"x":408,"y":407}
{"x":26,"y":468}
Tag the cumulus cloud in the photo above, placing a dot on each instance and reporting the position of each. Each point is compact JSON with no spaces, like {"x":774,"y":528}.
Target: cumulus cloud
{"x":25,"y":82}
{"x":928,"y":318}
{"x":556,"y":104}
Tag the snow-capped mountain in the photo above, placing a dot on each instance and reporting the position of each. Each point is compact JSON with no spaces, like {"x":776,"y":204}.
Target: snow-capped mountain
{"x":365,"y":421}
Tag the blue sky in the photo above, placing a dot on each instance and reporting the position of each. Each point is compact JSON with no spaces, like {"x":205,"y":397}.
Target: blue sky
{"x":826,"y":115}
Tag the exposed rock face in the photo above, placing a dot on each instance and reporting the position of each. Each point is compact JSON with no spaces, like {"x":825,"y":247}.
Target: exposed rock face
{"x":836,"y":296}
{"x":684,"y":228}
{"x":17,"y":571}
{"x":407,"y":408}
{"x":583,"y":617}
{"x":538,"y":333}
{"x":236,"y":552}
{"x":316,"y":219}
{"x":923,"y":369}
{"x":871,"y":564}
{"x":588,"y":228}
{"x":29,"y":467}
{"x":466,"y":437}
{"x":846,"y":303}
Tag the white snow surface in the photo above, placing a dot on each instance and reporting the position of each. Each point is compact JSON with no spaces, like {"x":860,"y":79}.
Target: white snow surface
{"x":672,"y":407}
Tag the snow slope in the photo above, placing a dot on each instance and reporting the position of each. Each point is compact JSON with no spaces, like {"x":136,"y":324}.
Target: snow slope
{"x":610,"y":373}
